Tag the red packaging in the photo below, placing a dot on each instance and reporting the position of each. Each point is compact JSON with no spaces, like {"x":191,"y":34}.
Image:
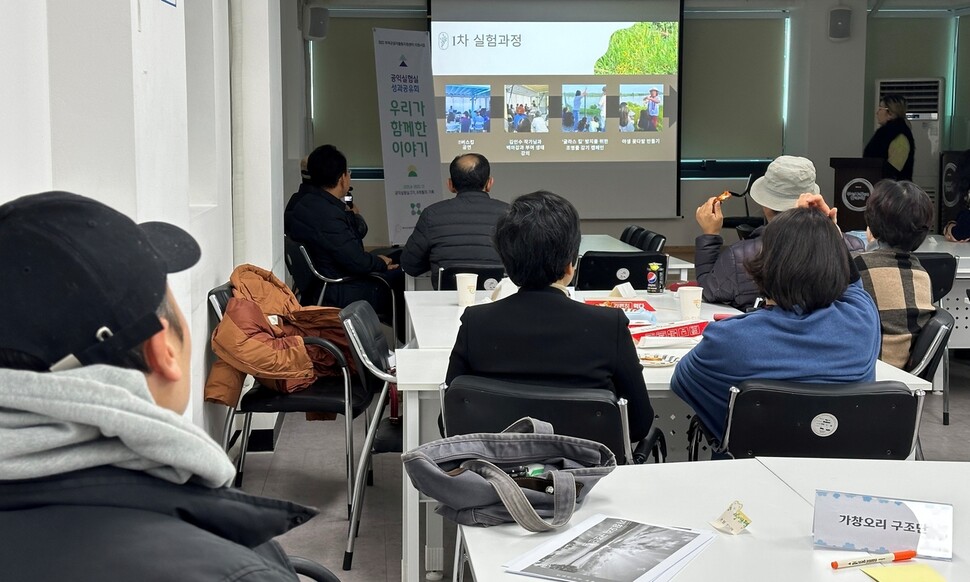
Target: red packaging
{"x":621,"y":303}
{"x":676,"y":329}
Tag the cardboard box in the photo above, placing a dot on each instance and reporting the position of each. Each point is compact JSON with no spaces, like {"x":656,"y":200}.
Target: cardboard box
{"x":691,"y":328}
{"x":627,"y":305}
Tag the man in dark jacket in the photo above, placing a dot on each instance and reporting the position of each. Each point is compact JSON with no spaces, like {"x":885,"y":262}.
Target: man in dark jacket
{"x":458,"y":230}
{"x":723,"y":274}
{"x":101,"y":477}
{"x":321,"y":220}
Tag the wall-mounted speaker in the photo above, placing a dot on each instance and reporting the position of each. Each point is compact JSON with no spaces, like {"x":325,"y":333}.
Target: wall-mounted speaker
{"x":840,"y":23}
{"x":316,"y":20}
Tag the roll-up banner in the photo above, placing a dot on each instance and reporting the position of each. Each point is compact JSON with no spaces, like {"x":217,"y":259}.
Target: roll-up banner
{"x":409,"y":137}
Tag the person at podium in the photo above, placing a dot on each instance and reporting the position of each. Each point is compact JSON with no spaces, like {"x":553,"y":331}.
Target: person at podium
{"x":893,"y":140}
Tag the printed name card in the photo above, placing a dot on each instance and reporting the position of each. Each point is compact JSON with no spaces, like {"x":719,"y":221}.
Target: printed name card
{"x":849,"y":521}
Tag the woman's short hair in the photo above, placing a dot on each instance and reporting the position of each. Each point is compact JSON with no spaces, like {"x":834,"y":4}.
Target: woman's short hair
{"x":537,"y":238}
{"x":895,"y":104}
{"x":803,"y":263}
{"x":899,"y":214}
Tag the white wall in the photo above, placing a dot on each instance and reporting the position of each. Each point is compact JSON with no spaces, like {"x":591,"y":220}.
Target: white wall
{"x":94,"y":100}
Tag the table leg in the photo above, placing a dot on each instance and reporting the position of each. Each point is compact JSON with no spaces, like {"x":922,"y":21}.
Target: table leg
{"x":434,"y":548}
{"x":411,"y":519}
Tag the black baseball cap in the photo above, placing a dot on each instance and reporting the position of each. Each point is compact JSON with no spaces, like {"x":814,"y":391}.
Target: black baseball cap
{"x":82,"y":281}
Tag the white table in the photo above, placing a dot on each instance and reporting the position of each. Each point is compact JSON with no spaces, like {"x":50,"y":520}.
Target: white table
{"x":589,"y":242}
{"x":956,"y":301}
{"x":421,"y":371}
{"x":777,"y":495}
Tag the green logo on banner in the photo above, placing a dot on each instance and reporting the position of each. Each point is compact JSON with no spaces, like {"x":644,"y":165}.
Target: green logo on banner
{"x":412,"y":171}
{"x":415,"y":208}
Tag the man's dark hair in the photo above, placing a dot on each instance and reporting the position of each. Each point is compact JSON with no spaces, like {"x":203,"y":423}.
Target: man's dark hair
{"x":326,"y":165}
{"x":469,"y":172}
{"x":803,"y":261}
{"x":899,"y":214}
{"x":132,"y":359}
{"x":537,"y":238}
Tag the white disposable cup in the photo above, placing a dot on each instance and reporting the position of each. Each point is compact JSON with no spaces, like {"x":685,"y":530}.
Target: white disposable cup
{"x":466,"y":283}
{"x":690,"y":302}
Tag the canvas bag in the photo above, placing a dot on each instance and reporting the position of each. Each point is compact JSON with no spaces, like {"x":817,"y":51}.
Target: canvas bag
{"x":465,"y":475}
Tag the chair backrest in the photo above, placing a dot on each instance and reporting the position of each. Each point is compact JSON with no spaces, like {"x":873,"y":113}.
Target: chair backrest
{"x":368,"y":343}
{"x":489,"y":274}
{"x":628,"y":233}
{"x":475,"y":404}
{"x":930,"y":344}
{"x":868,"y":420}
{"x":645,"y":240}
{"x":942,"y":269}
{"x":652,"y":241}
{"x":297,"y":263}
{"x":605,"y":269}
{"x":219,"y":298}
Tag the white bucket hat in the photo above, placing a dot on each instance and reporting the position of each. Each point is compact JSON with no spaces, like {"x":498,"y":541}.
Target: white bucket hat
{"x":787,"y":178}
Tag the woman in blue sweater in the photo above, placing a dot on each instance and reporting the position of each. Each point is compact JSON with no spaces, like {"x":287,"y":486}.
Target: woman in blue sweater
{"x":818,"y":325}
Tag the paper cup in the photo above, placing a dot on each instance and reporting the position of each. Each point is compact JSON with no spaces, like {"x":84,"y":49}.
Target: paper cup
{"x":466,"y":283}
{"x":690,"y":302}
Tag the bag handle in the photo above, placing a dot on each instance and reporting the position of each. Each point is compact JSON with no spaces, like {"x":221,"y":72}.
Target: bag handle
{"x":530,"y":425}
{"x":564,"y":496}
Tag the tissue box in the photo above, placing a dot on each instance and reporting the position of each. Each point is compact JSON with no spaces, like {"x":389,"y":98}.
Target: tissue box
{"x":691,"y":328}
{"x":627,"y":305}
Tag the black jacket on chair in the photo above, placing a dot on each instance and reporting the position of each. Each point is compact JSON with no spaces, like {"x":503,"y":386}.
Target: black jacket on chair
{"x":544,"y":337}
{"x":458,"y":230}
{"x":113,"y":524}
{"x":330,"y":233}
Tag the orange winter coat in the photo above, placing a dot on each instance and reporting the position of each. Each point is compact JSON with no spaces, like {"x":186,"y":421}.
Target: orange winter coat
{"x":261,"y":334}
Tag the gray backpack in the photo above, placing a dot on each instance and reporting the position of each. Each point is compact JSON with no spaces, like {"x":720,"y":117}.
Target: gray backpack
{"x":472,"y":475}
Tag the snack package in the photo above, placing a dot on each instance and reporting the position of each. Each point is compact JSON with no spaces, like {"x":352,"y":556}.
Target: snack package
{"x":690,"y":328}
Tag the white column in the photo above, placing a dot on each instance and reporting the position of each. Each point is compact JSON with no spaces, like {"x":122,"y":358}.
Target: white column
{"x":257,"y":138}
{"x":826,"y":106}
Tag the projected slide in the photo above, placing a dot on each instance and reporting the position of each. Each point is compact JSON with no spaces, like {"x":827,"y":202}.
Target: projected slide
{"x":591,"y":86}
{"x":580,"y":99}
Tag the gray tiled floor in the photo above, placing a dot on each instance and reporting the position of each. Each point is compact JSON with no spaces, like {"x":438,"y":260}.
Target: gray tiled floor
{"x":307,"y":467}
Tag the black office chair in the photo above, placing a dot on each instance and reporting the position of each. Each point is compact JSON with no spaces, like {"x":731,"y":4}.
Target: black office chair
{"x":300,"y":266}
{"x":942,"y":269}
{"x":330,"y":395}
{"x":930,"y":349}
{"x":489,"y":274}
{"x":652,"y":241}
{"x":372,"y":355}
{"x":472,"y":404}
{"x":777,"y":418}
{"x":628,"y":233}
{"x":606,"y":269}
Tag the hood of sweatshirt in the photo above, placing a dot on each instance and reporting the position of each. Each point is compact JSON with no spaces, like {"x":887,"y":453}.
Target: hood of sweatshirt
{"x":96,"y":416}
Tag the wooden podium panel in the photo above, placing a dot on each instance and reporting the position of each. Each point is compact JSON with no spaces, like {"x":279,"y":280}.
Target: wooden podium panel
{"x":854,"y":179}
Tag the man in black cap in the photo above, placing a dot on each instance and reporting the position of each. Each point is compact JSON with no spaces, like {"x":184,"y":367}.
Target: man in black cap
{"x":101,"y":477}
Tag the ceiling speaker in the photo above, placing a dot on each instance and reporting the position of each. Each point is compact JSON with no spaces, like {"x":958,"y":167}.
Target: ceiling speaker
{"x":316,"y":20}
{"x":840,"y":23}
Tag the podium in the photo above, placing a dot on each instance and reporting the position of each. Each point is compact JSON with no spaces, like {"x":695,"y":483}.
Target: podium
{"x":854,"y":179}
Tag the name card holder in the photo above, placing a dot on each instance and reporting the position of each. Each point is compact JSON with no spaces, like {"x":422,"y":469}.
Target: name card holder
{"x":849,"y":521}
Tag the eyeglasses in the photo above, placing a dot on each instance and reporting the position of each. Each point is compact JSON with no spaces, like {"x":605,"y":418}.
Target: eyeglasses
{"x":882,"y":107}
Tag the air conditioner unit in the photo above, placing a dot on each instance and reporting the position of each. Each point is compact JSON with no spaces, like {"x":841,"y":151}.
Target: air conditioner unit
{"x":925,"y":100}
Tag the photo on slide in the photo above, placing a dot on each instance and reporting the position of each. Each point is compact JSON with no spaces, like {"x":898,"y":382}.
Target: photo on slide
{"x":468,"y":108}
{"x":583,"y":107}
{"x":645,"y":48}
{"x":641,"y":107}
{"x":527,"y":108}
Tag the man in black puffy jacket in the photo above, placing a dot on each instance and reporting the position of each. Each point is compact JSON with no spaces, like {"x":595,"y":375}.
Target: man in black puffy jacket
{"x":321,"y":221}
{"x":723,"y":274}
{"x":458,"y":230}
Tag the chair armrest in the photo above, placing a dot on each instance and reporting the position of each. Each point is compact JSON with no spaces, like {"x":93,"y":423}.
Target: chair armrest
{"x":655,"y":442}
{"x":329,"y":346}
{"x":312,"y":570}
